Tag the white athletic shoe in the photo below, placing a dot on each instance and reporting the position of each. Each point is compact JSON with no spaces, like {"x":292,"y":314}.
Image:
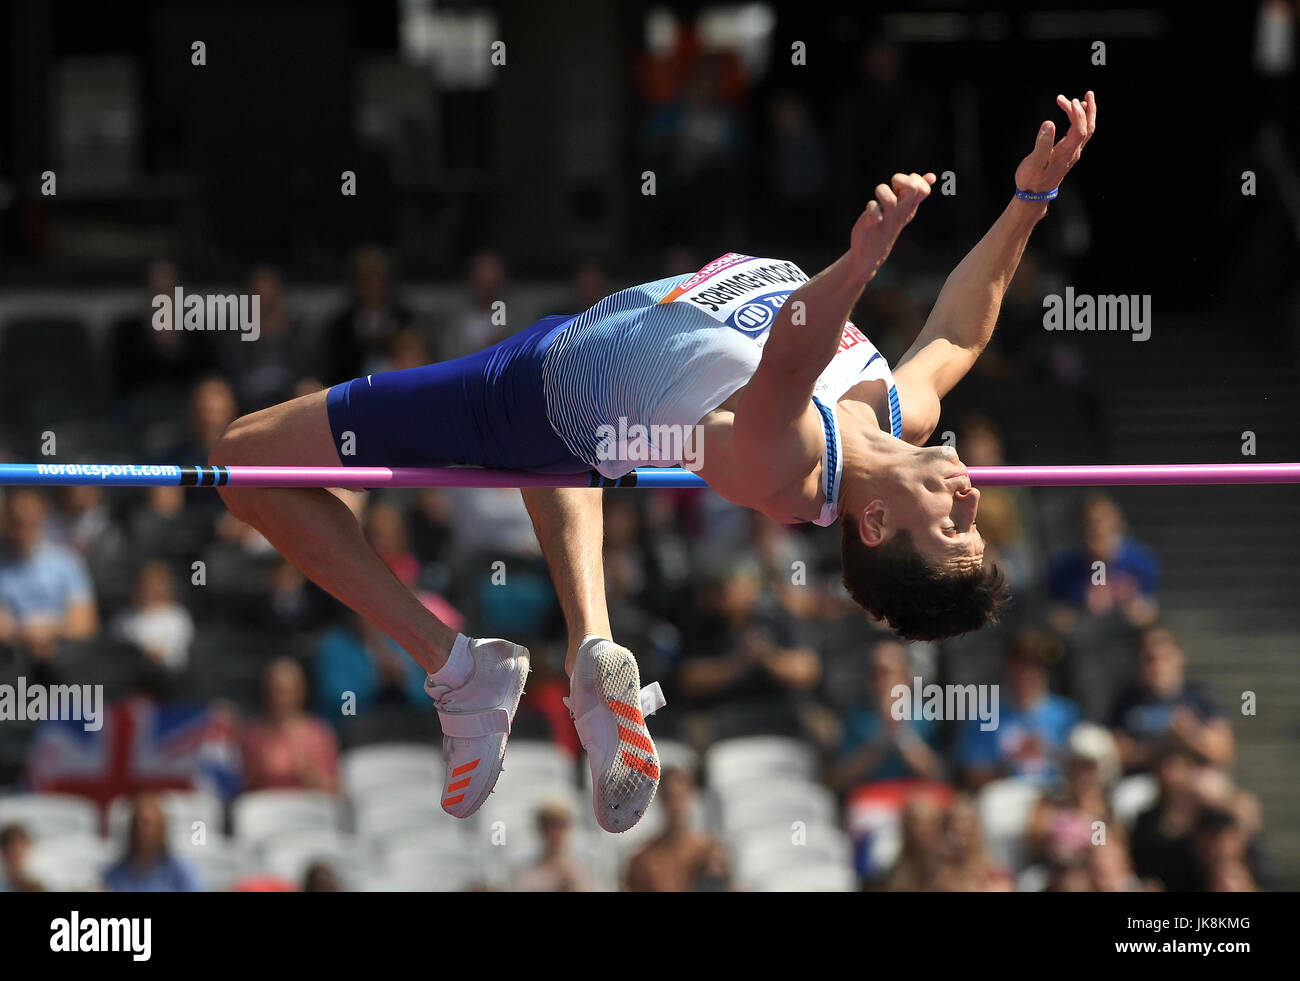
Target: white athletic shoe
{"x":608,"y":708}
{"x":475,"y":721}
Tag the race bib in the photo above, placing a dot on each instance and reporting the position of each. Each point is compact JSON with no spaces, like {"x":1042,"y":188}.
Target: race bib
{"x":745,"y":293}
{"x":741,"y":291}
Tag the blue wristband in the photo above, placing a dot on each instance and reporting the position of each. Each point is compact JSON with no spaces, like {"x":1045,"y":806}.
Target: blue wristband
{"x":1037,"y":195}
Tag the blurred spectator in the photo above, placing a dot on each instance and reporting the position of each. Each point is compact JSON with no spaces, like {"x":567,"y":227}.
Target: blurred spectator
{"x":1220,"y":844}
{"x":321,"y":877}
{"x":681,"y":858}
{"x":291,"y":604}
{"x":85,"y":523}
{"x":483,"y":314}
{"x":556,"y":869}
{"x":1108,"y":572}
{"x":901,"y":116}
{"x":149,"y":865}
{"x":964,"y":865}
{"x":162,"y":524}
{"x":587,"y":288}
{"x":1065,"y":821}
{"x":288,"y":747}
{"x":212,"y":409}
{"x":357,"y":661}
{"x":409,"y":348}
{"x":695,"y":145}
{"x":15,"y":850}
{"x":430,"y":526}
{"x":1033,"y":725}
{"x":356,"y":339}
{"x":1165,"y":706}
{"x":1163,"y":843}
{"x":743,"y":668}
{"x":878,"y":745}
{"x":918,"y":859}
{"x":45,"y":590}
{"x":155,"y":623}
{"x":265,"y":370}
{"x":798,"y":165}
{"x":1110,"y":868}
{"x":385,"y":530}
{"x":153,"y":368}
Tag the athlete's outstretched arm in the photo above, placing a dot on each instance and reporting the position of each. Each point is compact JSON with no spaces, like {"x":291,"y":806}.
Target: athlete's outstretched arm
{"x":808,"y":328}
{"x":962,"y":320}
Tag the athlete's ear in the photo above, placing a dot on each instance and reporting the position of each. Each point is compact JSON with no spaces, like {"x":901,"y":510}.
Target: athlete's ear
{"x":872,"y":526}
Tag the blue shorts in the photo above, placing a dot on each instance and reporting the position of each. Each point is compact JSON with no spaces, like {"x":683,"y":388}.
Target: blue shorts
{"x":486,"y":409}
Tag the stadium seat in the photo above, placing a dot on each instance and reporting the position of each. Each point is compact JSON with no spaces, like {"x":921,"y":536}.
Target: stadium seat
{"x":762,"y":853}
{"x":746,"y":807}
{"x":538,"y":761}
{"x":755,"y":759}
{"x":289,"y":854}
{"x":71,"y":862}
{"x":48,"y":372}
{"x":389,"y":809}
{"x":259,"y":814}
{"x":220,"y":861}
{"x":367,"y":768}
{"x":181,"y":807}
{"x":1004,"y":808}
{"x":423,"y":862}
{"x":506,"y":826}
{"x":1133,"y":795}
{"x":50,"y":815}
{"x":817,"y":877}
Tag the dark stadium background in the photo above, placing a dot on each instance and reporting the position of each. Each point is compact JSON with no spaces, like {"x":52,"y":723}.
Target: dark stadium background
{"x":524,"y":182}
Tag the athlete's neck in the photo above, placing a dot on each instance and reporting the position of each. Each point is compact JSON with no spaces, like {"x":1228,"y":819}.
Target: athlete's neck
{"x":872,"y":459}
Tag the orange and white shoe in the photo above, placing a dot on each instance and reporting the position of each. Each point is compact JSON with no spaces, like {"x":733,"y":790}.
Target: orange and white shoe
{"x":609,"y":708}
{"x":475,"y":719}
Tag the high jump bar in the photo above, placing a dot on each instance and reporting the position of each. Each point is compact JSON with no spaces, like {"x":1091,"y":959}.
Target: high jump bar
{"x":171,"y":475}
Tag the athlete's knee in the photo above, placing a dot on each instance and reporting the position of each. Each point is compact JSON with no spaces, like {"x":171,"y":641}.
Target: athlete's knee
{"x":238,"y":445}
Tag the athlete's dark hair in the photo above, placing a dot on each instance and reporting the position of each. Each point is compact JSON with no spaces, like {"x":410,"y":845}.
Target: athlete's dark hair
{"x":893,"y":582}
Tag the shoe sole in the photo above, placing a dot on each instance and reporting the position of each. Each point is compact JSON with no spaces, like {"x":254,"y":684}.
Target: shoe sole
{"x":624,"y":791}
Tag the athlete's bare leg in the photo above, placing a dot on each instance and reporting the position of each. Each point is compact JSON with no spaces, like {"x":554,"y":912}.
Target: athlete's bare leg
{"x":570,"y":526}
{"x":316,"y":531}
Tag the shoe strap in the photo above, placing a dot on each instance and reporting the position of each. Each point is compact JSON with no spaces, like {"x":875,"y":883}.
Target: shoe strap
{"x":471,"y":725}
{"x":651,"y":699}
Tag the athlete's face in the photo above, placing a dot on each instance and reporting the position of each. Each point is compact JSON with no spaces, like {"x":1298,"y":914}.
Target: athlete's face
{"x":936,"y":503}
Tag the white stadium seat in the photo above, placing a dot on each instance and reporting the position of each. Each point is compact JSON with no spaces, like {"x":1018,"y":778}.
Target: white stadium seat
{"x":182,"y":808}
{"x":258,"y":814}
{"x":71,"y":862}
{"x":50,"y":815}
{"x":367,"y":768}
{"x":1004,"y":809}
{"x":756,"y":759}
{"x":290,"y":854}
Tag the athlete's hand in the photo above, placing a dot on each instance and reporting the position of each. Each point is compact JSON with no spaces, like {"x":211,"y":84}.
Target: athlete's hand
{"x":1045,"y":168}
{"x":877,"y":229}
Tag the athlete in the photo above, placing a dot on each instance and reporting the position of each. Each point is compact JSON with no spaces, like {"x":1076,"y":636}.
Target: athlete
{"x":790,"y":409}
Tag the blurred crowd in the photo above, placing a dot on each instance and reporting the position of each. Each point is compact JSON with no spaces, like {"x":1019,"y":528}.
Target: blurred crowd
{"x":1110,"y":767}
